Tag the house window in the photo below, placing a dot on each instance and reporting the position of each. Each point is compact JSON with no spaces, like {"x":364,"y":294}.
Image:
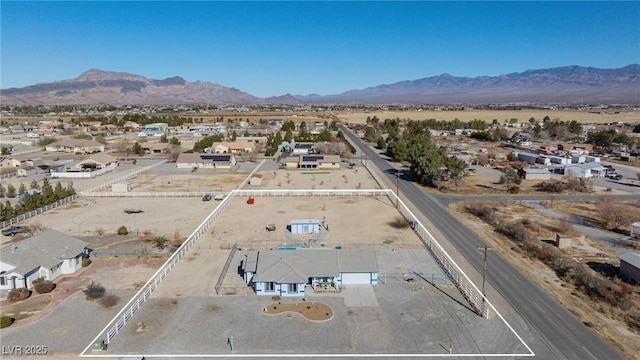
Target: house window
{"x":269,"y":286}
{"x":3,"y":280}
{"x":293,"y":288}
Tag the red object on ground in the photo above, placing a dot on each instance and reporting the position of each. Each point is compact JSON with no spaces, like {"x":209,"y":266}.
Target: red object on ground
{"x":251,"y":200}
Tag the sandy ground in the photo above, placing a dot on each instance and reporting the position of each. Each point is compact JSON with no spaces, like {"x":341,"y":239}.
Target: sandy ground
{"x":523,"y":116}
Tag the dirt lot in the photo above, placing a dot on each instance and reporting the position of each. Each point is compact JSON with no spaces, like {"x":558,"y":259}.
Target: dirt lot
{"x":582,"y":250}
{"x":500,"y":115}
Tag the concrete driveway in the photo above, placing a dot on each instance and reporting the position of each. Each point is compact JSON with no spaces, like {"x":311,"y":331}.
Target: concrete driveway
{"x":359,"y":296}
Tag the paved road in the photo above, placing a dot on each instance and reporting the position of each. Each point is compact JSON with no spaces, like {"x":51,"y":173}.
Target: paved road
{"x":554,"y":331}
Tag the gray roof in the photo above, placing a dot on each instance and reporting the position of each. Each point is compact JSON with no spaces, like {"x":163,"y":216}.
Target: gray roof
{"x":631,"y":258}
{"x":297,"y":266}
{"x":46,"y":249}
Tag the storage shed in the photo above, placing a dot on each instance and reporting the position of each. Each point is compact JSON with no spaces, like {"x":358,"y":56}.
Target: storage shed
{"x":630,"y":267}
{"x":305,"y":226}
{"x":256,"y":180}
{"x":536,"y":174}
{"x":121,"y":187}
{"x":635,"y":230}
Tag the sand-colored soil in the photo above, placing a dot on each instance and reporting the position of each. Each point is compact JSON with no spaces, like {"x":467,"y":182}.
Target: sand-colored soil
{"x":523,"y":116}
{"x":313,"y":311}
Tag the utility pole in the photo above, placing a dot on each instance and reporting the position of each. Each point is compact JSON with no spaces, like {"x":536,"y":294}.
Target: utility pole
{"x":485,"y":270}
{"x":397,"y":187}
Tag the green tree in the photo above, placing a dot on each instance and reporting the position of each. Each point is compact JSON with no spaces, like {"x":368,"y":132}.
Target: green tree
{"x":206,"y":142}
{"x":234,"y":135}
{"x":381,"y":144}
{"x":44,"y":141}
{"x":288,"y":136}
{"x":22,"y":188}
{"x":426,"y":159}
{"x":48,"y":196}
{"x":174,"y":141}
{"x":59,"y":191}
{"x":164,"y":139}
{"x":11,"y":191}
{"x":277,"y":139}
{"x":137,"y":149}
{"x":34,"y":185}
{"x":333,"y":126}
{"x":3,"y":191}
{"x":325,"y":135}
{"x":7,"y":211}
{"x":575,"y":127}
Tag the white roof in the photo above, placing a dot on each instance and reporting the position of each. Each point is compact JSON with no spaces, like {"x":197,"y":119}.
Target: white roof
{"x":631,"y":258}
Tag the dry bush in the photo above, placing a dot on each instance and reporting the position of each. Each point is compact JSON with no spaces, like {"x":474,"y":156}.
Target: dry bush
{"x":612,"y":213}
{"x":109,"y":300}
{"x":633,"y":320}
{"x":100,"y":231}
{"x":94,"y":291}
{"x":564,"y":225}
{"x":515,"y":189}
{"x":122,"y":230}
{"x":400,"y":223}
{"x":515,"y":230}
{"x":18,"y":294}
{"x":44,"y":287}
{"x":552,"y":186}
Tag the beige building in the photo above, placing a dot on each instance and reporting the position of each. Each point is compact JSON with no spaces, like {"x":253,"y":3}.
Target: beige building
{"x":318,"y":161}
{"x":77,"y":146}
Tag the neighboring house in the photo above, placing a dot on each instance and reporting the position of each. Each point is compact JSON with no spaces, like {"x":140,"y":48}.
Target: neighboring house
{"x":207,"y":161}
{"x":232,"y":147}
{"x":30,"y":192}
{"x":96,"y":162}
{"x":586,"y":170}
{"x":630,"y":267}
{"x":155,"y":147}
{"x":46,"y":255}
{"x":6,"y":162}
{"x":81,"y":146}
{"x":156,"y":127}
{"x":287,"y":272}
{"x":328,"y":162}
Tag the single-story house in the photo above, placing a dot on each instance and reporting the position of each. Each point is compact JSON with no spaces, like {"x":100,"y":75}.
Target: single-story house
{"x":6,"y":162}
{"x":31,"y":192}
{"x":155,"y":147}
{"x":82,"y":146}
{"x":534,"y":174}
{"x":328,"y":162}
{"x":206,"y":161}
{"x":287,"y":272}
{"x":156,"y":127}
{"x":95,"y":162}
{"x":46,"y":255}
{"x":630,"y":267}
{"x":232,"y":147}
{"x":586,"y":170}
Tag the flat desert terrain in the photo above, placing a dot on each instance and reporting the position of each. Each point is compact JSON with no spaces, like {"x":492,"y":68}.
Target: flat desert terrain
{"x":523,"y":116}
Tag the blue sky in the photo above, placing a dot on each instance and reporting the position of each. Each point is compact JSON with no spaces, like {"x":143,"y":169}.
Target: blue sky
{"x":272,"y":48}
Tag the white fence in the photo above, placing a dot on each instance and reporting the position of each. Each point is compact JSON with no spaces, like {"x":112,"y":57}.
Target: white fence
{"x":82,"y":174}
{"x":134,"y":304}
{"x":73,"y":197}
{"x":153,"y":194}
{"x":451,"y":269}
{"x":123,"y":177}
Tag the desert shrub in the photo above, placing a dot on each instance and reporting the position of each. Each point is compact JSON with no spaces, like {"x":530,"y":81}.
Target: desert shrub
{"x":86,"y":262}
{"x":400,"y":222}
{"x":44,"y":287}
{"x":109,"y":300}
{"x":633,"y":320}
{"x":552,"y":186}
{"x":5,"y":321}
{"x":94,"y":291}
{"x":122,"y":230}
{"x":516,"y":230}
{"x":515,"y":189}
{"x":100,"y":231}
{"x":37,"y":281}
{"x":18,"y":294}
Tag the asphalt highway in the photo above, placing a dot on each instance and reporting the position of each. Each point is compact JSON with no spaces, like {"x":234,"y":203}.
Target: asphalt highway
{"x":553,"y":331}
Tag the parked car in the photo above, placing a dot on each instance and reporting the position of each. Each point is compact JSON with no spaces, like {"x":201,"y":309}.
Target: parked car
{"x":13,"y":230}
{"x":206,"y":197}
{"x":615,"y":176}
{"x":219,"y":197}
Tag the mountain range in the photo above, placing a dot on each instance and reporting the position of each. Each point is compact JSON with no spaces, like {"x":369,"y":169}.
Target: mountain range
{"x":569,"y":84}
